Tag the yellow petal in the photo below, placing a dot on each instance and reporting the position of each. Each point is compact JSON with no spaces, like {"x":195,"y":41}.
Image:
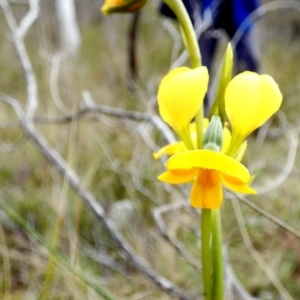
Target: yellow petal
{"x":207,"y":190}
{"x":211,"y":160}
{"x":178,"y":176}
{"x":170,"y":149}
{"x":250,"y":100}
{"x":236,"y":185}
{"x":180,"y":95}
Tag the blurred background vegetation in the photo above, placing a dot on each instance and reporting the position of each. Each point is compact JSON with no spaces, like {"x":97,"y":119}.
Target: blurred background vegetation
{"x":113,"y":157}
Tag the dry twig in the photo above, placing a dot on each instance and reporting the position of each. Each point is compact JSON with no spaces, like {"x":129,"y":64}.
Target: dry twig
{"x":255,"y":254}
{"x":55,"y":159}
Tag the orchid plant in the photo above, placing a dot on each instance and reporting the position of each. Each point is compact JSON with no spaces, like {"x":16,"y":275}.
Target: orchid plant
{"x":250,"y":100}
{"x":209,"y":154}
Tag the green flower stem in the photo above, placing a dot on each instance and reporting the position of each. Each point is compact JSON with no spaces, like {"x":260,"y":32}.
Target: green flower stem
{"x":235,"y":143}
{"x":184,"y":20}
{"x":186,"y":138}
{"x":218,"y":107}
{"x":199,"y":128}
{"x":217,"y":257}
{"x":205,"y":253}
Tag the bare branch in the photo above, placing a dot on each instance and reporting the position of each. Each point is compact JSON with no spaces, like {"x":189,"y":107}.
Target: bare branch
{"x":261,"y":11}
{"x":29,"y":18}
{"x":157,"y":214}
{"x":64,"y":169}
{"x":58,"y":163}
{"x":233,"y":286}
{"x":255,"y":254}
{"x":17,"y":34}
{"x":266,"y":214}
{"x":291,"y":156}
{"x":55,"y":67}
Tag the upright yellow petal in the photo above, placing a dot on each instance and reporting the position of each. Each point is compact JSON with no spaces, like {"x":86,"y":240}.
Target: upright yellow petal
{"x":207,"y":190}
{"x":250,"y":100}
{"x":181,"y":94}
{"x":210,"y":160}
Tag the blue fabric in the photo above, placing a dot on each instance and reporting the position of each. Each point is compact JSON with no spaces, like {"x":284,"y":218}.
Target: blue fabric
{"x":230,"y":14}
{"x":226,"y":14}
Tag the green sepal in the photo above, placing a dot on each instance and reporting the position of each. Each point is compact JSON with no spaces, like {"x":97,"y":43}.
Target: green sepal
{"x":218,"y":107}
{"x":213,"y":137}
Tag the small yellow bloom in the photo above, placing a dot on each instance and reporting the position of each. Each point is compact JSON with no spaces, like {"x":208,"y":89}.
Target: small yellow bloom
{"x":208,"y":169}
{"x":250,"y":100}
{"x":180,"y":96}
{"x":122,"y":6}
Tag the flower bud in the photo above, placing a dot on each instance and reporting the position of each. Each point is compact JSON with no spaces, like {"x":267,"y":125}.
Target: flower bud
{"x":213,"y":137}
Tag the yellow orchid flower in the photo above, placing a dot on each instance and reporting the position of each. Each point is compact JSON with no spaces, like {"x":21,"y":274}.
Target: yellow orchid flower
{"x":122,"y":6}
{"x":250,"y":100}
{"x":180,"y":96}
{"x":208,"y":169}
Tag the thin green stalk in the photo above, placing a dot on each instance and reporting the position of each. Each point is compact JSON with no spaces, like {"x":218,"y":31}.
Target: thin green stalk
{"x":58,"y":255}
{"x":217,"y":257}
{"x":235,"y":143}
{"x":51,"y":263}
{"x":184,"y":20}
{"x":186,"y":138}
{"x":205,"y":253}
{"x":199,"y":128}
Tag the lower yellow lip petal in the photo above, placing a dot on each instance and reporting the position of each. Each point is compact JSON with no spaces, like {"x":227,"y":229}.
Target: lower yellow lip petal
{"x":206,"y":196}
{"x":211,"y":160}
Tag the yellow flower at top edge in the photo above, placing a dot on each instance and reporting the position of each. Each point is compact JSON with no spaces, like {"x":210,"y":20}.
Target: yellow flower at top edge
{"x":122,"y":6}
{"x":180,"y":96}
{"x":250,"y":100}
{"x":209,"y":170}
